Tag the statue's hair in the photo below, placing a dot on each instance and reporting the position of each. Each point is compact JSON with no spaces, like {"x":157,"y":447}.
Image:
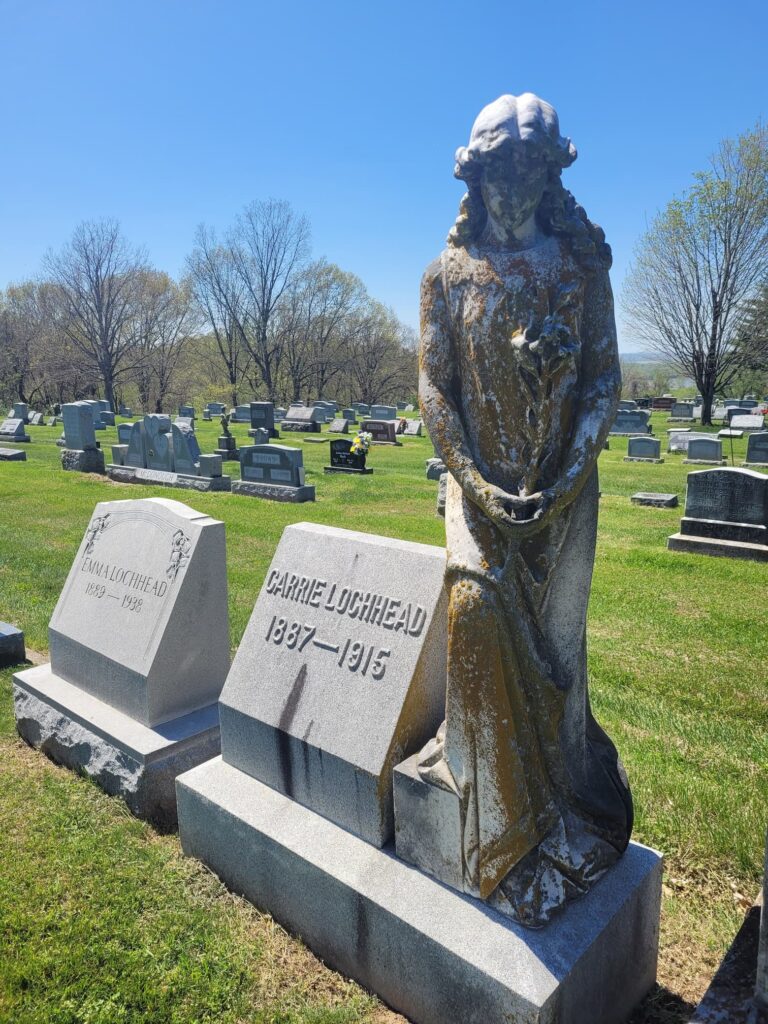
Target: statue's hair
{"x":558,"y":213}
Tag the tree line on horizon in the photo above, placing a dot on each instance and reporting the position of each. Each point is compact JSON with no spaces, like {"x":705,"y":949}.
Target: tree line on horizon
{"x":253,"y":316}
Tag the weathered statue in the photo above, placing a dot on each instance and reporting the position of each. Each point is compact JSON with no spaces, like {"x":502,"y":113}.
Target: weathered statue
{"x":225,"y":425}
{"x":519,"y":384}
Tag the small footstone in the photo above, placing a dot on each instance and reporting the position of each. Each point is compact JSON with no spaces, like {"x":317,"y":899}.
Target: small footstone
{"x":12,"y":650}
{"x":12,"y":455}
{"x":654,"y":500}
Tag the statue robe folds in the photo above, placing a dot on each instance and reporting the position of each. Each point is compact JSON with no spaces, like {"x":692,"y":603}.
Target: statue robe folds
{"x":520,"y":347}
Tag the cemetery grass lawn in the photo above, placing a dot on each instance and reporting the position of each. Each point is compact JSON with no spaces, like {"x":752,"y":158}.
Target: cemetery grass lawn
{"x":102,"y":921}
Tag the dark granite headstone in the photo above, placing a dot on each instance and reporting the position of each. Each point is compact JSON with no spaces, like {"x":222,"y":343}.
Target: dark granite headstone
{"x":381,"y":431}
{"x":344,"y":460}
{"x":726,"y":513}
{"x":757,"y":449}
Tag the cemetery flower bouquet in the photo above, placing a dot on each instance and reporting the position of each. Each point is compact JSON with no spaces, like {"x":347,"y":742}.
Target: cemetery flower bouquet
{"x":362,"y":442}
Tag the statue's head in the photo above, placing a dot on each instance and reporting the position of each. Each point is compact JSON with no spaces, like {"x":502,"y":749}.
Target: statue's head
{"x":512,"y":166}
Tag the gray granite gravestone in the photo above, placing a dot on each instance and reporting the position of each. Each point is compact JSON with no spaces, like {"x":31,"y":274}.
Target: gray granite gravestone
{"x":263,"y":418}
{"x":633,"y":421}
{"x":13,"y":429}
{"x":187,"y":411}
{"x":678,"y":440}
{"x":81,"y":451}
{"x":302,"y":419}
{"x":350,"y":415}
{"x":158,"y":442}
{"x":12,"y":648}
{"x":627,"y":405}
{"x":351,"y":673}
{"x":167,"y":454}
{"x":124,"y":432}
{"x":339,"y":426}
{"x":757,"y":449}
{"x":273,"y":471}
{"x":731,"y":411}
{"x":414,"y":428}
{"x":106,"y":413}
{"x":681,"y":411}
{"x":383,"y":412}
{"x":98,"y":423}
{"x":726,"y":513}
{"x":643,"y":449}
{"x":12,"y":455}
{"x":705,"y":450}
{"x":139,"y":644}
{"x":748,"y":422}
{"x":381,"y":431}
{"x":20,"y":412}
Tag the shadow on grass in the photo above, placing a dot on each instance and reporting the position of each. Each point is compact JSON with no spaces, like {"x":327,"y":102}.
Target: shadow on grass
{"x":661,"y":1006}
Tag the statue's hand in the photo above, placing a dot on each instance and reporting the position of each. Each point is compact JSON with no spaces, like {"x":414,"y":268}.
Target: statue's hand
{"x":514,"y":515}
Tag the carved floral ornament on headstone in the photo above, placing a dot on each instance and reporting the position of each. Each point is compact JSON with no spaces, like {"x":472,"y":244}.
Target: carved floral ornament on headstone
{"x":520,"y":383}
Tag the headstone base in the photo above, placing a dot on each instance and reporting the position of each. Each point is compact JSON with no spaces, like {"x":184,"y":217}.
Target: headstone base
{"x":348,"y":469}
{"x":12,"y":455}
{"x":24,"y":439}
{"x":636,"y":458}
{"x":133,"y":475}
{"x":630,"y":433}
{"x":748,"y":465}
{"x":273,"y":434}
{"x":654,"y":500}
{"x":274,"y":492}
{"x":122,"y":756}
{"x":713,"y":546}
{"x":428,"y":951}
{"x":12,"y":649}
{"x":679,"y":419}
{"x":228,"y":454}
{"x":88,"y":461}
{"x":705,"y":462}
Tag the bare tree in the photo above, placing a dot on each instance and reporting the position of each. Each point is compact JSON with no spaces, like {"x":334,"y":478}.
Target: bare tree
{"x":220,"y":294}
{"x":382,"y":356}
{"x":702,"y":261}
{"x":269,"y":245}
{"x":96,"y":276}
{"x":163,"y":325}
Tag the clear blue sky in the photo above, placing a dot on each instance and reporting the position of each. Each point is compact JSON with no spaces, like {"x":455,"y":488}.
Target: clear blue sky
{"x":169,"y":113}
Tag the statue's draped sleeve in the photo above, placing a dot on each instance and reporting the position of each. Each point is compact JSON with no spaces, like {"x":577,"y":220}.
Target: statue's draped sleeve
{"x":437,"y":383}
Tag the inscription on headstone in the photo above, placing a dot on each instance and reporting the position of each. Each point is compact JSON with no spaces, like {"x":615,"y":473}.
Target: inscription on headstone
{"x":344,"y":621}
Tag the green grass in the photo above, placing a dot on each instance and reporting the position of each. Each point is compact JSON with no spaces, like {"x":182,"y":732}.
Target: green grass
{"x":102,"y":920}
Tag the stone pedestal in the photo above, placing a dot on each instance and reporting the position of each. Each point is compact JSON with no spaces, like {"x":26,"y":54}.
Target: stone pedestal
{"x":89,"y":461}
{"x":227,"y":449}
{"x":127,"y":759}
{"x":428,"y":951}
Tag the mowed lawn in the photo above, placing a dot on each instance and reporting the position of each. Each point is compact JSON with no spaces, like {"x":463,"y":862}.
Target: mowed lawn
{"x":102,"y":921}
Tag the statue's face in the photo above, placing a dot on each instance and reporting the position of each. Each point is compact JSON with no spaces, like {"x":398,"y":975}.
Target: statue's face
{"x":512,"y":185}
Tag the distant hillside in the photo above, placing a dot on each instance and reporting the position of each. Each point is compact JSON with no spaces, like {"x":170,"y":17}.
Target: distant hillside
{"x":641,"y":357}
